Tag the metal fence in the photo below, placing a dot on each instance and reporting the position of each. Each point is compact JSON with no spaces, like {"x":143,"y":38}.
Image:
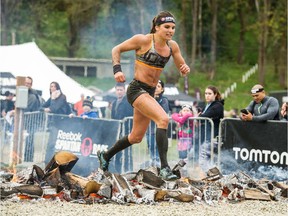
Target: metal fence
{"x":197,"y":150}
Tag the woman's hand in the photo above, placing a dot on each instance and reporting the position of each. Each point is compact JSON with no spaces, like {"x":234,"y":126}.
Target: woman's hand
{"x":184,"y":69}
{"x":119,"y":77}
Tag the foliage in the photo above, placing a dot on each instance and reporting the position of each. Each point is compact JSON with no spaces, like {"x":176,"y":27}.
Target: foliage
{"x":90,"y":28}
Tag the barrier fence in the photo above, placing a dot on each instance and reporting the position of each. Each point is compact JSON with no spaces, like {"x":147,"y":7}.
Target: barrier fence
{"x":44,"y":134}
{"x":240,"y":145}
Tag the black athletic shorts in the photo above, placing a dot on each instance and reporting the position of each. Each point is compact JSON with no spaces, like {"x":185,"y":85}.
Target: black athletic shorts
{"x":136,"y":88}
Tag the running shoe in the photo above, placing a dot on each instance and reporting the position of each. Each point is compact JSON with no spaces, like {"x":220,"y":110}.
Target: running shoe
{"x":103,"y":163}
{"x":167,"y":174}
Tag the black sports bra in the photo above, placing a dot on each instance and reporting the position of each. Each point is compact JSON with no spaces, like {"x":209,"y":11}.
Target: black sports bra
{"x":152,"y":58}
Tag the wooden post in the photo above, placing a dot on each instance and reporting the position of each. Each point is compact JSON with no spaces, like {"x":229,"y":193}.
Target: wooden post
{"x":18,"y":128}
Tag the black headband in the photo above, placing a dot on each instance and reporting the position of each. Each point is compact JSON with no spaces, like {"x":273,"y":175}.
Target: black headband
{"x":254,"y":91}
{"x":161,"y":20}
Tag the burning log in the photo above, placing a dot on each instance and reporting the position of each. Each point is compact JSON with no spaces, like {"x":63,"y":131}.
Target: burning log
{"x":176,"y":169}
{"x":260,"y":186}
{"x":122,"y":187}
{"x":87,"y":186}
{"x":34,"y":191}
{"x":53,"y":178}
{"x":283,"y":187}
{"x":149,"y":179}
{"x":64,"y":160}
{"x":160,"y":195}
{"x":183,"y":195}
{"x":255,"y":194}
{"x":213,"y":174}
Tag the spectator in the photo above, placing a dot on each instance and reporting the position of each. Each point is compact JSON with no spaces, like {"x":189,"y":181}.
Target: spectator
{"x":284,"y":111}
{"x":108,"y":110}
{"x":119,"y":110}
{"x":185,"y":130}
{"x":57,"y":102}
{"x":262,"y":108}
{"x":8,"y":103}
{"x":214,"y":110}
{"x":78,"y":106}
{"x":150,"y":134}
{"x":34,"y":104}
{"x":152,"y":51}
{"x":88,"y":112}
{"x":34,"y":99}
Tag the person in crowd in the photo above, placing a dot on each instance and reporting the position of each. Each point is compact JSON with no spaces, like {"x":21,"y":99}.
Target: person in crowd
{"x":78,"y":106}
{"x":57,"y":102}
{"x":283,"y":111}
{"x":88,"y":110}
{"x":108,"y":110}
{"x":34,"y":99}
{"x":185,"y":130}
{"x":120,"y":108}
{"x":150,"y":134}
{"x":34,"y":104}
{"x":152,"y":51}
{"x":214,"y":110}
{"x":8,"y":103}
{"x":262,"y":107}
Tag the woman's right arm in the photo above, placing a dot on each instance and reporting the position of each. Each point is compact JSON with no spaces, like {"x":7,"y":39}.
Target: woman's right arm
{"x":133,"y":43}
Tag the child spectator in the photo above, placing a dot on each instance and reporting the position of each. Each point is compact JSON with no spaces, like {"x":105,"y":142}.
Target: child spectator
{"x":88,"y":112}
{"x":185,"y":130}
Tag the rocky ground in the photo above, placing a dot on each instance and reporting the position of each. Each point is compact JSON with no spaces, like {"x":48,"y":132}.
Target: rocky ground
{"x":47,"y":207}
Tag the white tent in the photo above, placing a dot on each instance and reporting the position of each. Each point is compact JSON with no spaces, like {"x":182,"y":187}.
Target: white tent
{"x":28,"y":60}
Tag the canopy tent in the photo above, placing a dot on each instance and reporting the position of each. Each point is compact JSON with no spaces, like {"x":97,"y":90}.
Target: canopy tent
{"x":28,"y":60}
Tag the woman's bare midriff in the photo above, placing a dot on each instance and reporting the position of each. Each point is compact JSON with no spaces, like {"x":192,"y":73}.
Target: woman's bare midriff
{"x":147,"y":74}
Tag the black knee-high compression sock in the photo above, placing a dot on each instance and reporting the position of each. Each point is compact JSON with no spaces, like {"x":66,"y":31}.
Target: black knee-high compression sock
{"x":162,"y":144}
{"x":117,"y":147}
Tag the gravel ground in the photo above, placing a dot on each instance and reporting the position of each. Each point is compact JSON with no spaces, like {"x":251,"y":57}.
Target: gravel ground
{"x":55,"y":208}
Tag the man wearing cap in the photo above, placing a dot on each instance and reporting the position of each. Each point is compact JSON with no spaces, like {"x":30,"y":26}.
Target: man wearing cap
{"x":262,"y":108}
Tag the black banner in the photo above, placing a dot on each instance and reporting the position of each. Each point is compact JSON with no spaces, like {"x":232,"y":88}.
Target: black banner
{"x":262,"y":143}
{"x":82,"y":137}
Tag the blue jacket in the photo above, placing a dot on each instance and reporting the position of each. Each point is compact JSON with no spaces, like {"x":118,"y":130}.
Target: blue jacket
{"x":91,"y":114}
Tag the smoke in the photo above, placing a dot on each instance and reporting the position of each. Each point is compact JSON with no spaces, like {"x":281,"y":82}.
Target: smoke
{"x":254,"y":169}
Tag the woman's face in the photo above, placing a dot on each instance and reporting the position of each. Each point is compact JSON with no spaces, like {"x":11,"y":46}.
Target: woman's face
{"x":166,"y":30}
{"x":209,"y":95}
{"x":158,"y":89}
{"x":52,"y":87}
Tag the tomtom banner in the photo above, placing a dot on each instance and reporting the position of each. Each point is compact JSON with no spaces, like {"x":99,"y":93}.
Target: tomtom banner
{"x":262,"y":143}
{"x":82,"y":137}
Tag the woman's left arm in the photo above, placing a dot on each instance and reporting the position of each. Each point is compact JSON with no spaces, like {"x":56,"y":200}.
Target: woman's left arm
{"x":179,"y":60}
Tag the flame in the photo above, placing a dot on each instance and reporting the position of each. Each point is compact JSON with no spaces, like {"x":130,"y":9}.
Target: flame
{"x":14,"y":171}
{"x":95,"y":195}
{"x":23,"y":196}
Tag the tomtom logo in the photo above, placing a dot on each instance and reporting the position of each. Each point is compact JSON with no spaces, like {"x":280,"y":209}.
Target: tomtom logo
{"x":261,"y":155}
